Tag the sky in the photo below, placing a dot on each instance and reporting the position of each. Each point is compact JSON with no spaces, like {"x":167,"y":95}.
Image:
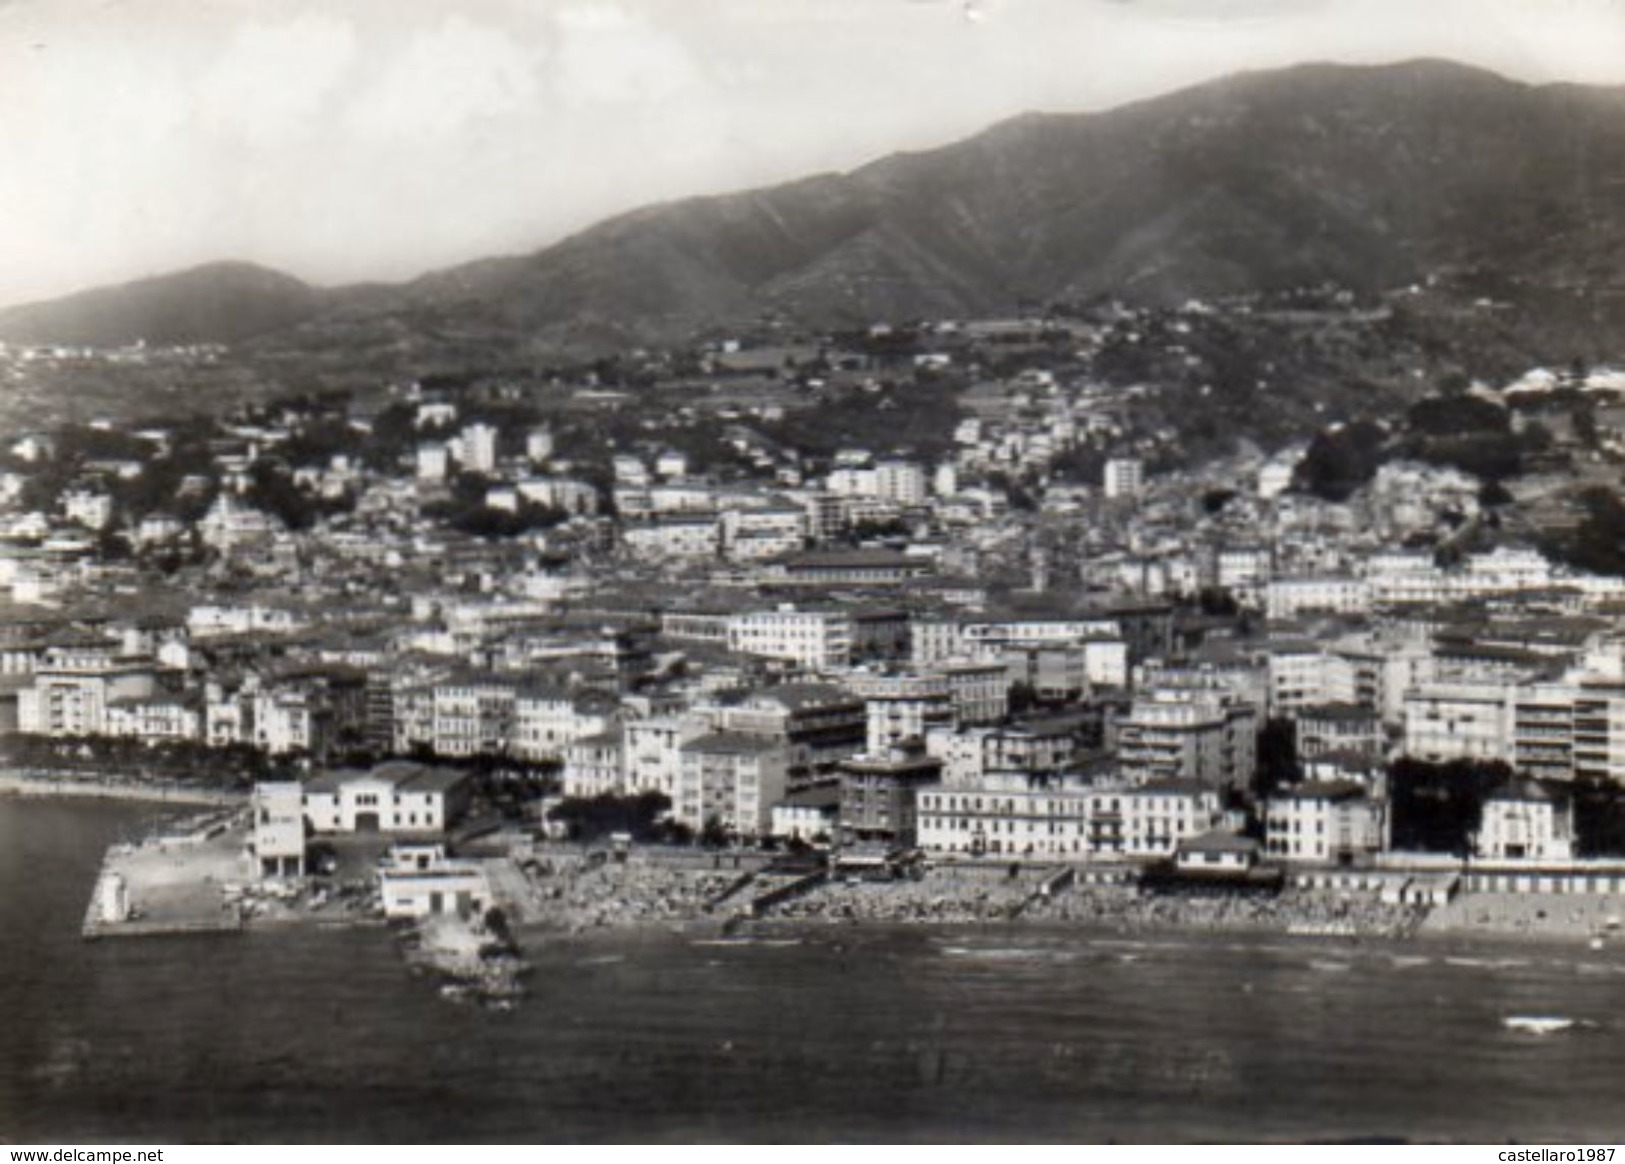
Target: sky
{"x":351,"y":140}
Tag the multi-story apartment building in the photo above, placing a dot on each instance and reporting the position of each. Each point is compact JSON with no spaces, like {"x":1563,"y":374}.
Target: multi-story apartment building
{"x":1006,"y":816}
{"x":731,"y":779}
{"x":155,"y":720}
{"x":546,"y":721}
{"x":901,"y":482}
{"x":72,"y":688}
{"x":672,"y":539}
{"x":595,"y":766}
{"x":819,"y":640}
{"x":1290,"y":597}
{"x":478,"y":448}
{"x":1324,"y":822}
{"x":1340,"y":727}
{"x":1181,"y":734}
{"x":979,"y":692}
{"x":652,"y":758}
{"x":879,"y":796}
{"x":901,"y":707}
{"x":1123,"y":477}
{"x":1459,"y":721}
{"x":1149,"y":820}
{"x":278,"y":842}
{"x":818,"y":724}
{"x":473,"y":716}
{"x":1526,"y":821}
{"x":755,"y":535}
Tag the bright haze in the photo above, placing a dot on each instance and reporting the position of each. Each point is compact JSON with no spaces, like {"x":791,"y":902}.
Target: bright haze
{"x":377,"y":139}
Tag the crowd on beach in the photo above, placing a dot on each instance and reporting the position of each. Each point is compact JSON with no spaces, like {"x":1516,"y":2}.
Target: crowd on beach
{"x":945,"y":896}
{"x":580,"y":895}
{"x":1597,"y":917}
{"x":1292,"y":911}
{"x":942,"y":896}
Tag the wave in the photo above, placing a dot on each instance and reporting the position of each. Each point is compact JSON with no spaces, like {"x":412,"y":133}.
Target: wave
{"x":1326,"y":967}
{"x":997,"y":952}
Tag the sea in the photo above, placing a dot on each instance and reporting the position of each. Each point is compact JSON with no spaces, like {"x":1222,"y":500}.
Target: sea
{"x":978,"y":1034}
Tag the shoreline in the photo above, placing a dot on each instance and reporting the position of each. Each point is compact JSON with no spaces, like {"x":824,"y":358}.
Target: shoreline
{"x":641,"y":905}
{"x":20,"y":786}
{"x":1421,"y":937}
{"x":772,"y":931}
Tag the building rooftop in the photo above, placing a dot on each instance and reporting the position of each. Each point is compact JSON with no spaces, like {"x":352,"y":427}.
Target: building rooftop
{"x":1338,"y":712}
{"x":798,"y":696}
{"x":1320,"y":790}
{"x":730,"y":743}
{"x":1219,"y":841}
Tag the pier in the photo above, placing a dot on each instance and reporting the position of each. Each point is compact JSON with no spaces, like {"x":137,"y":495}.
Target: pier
{"x":174,"y":884}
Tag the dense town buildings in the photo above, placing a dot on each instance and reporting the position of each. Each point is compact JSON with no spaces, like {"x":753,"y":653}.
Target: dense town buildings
{"x":971,"y":645}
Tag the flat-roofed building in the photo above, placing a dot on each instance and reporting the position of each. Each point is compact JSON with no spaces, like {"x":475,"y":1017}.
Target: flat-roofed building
{"x":1339,"y":727}
{"x":1527,"y":821}
{"x":733,"y":780}
{"x":1149,"y":820}
{"x":279,"y":829}
{"x":1181,"y":734}
{"x":396,"y":797}
{"x":878,"y":796}
{"x":1459,"y":721}
{"x":819,"y":640}
{"x":593,"y":766}
{"x":1332,"y":822}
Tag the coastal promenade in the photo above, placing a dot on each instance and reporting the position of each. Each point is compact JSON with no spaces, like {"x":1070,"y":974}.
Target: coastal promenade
{"x":112,"y":787}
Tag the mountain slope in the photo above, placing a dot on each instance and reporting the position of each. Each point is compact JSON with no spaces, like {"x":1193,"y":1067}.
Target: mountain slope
{"x":1368,"y":177}
{"x":216,"y":303}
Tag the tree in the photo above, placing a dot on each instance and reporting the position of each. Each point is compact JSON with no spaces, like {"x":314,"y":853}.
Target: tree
{"x":1341,"y":460}
{"x":1438,"y":808}
{"x":714,"y":835}
{"x":594,"y":819}
{"x":1585,"y":425}
{"x":1451,"y":416}
{"x":1598,"y":542}
{"x":1492,"y":494}
{"x":1599,"y":817}
{"x":1277,"y":757}
{"x":272,"y":490}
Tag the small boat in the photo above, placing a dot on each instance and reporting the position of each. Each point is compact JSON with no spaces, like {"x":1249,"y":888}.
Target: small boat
{"x":1537,"y":1024}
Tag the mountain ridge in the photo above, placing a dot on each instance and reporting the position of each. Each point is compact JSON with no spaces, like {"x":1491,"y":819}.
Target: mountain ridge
{"x":1370,"y":177}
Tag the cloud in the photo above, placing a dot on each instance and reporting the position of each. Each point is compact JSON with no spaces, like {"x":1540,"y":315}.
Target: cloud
{"x":608,"y":56}
{"x":275,"y":78}
{"x":373,"y":138}
{"x":444,"y":78}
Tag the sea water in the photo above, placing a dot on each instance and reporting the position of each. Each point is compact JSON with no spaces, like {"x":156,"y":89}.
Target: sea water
{"x":815,"y":1034}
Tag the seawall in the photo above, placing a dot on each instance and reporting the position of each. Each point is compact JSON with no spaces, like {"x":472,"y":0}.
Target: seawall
{"x":33,"y":784}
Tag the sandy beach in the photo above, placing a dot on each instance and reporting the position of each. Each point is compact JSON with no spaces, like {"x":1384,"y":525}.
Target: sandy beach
{"x":578,"y":897}
{"x":1573,"y":917}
